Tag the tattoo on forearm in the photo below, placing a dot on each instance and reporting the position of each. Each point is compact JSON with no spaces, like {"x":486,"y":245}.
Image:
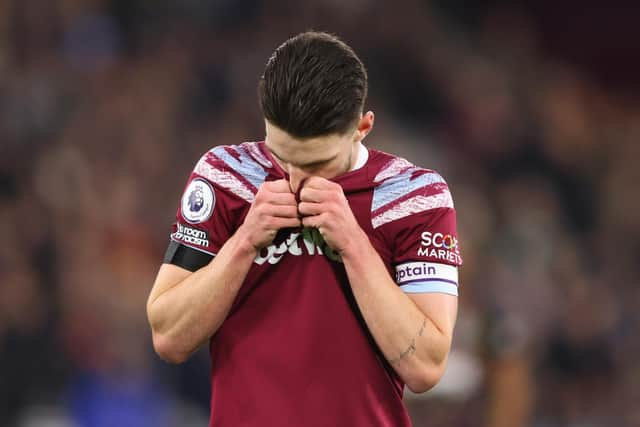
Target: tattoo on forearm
{"x":412,"y":346}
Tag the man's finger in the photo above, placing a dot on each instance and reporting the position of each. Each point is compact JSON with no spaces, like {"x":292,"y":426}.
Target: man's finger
{"x":307,"y":208}
{"x":283,"y":199}
{"x":266,"y":211}
{"x":290,"y":211}
{"x":278,"y":186}
{"x":278,"y":223}
{"x":314,"y":195}
{"x":319,"y":183}
{"x":315,"y":221}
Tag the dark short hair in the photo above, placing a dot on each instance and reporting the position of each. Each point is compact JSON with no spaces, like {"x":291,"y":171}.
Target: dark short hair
{"x":314,"y":84}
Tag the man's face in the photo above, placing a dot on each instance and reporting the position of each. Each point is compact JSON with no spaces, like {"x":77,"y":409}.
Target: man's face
{"x":326,"y":156}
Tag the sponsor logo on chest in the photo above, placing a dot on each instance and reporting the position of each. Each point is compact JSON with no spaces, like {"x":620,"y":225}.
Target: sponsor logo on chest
{"x":307,"y":242}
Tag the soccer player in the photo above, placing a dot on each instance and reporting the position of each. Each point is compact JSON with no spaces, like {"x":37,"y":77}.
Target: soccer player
{"x":323,"y":274}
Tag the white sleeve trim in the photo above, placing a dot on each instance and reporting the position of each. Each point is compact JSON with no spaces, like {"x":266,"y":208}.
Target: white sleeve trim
{"x":415,"y":277}
{"x":430,"y":287}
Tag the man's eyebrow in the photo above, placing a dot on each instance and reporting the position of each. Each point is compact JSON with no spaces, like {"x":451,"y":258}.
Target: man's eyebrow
{"x":274,"y":154}
{"x":319,"y":162}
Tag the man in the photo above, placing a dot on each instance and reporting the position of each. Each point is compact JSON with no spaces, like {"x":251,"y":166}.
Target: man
{"x":323,"y":274}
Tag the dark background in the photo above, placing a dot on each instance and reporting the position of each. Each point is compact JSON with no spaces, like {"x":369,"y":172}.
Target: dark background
{"x":531,"y":111}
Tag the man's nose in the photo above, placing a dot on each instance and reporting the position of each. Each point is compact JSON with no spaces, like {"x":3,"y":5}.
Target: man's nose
{"x":296,"y":176}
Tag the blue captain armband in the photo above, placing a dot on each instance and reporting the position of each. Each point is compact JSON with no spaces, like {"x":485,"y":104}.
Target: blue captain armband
{"x":427,"y":277}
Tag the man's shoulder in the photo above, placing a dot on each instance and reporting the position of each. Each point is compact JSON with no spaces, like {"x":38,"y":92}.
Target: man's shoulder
{"x":403,"y":189}
{"x":240,"y":169}
{"x":390,"y":172}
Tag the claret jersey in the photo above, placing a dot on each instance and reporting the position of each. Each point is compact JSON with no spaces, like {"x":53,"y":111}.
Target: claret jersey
{"x":294,"y":349}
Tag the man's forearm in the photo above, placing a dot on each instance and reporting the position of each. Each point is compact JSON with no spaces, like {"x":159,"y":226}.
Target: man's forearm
{"x":414,"y":343}
{"x":187,"y":314}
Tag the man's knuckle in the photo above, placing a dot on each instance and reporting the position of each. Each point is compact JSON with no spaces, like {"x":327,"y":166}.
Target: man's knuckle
{"x":260,"y":196}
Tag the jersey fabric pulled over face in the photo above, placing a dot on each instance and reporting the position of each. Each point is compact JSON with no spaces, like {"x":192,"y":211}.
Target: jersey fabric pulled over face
{"x":294,"y":349}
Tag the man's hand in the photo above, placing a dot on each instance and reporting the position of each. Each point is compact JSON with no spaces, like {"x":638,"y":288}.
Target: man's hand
{"x":324,"y":206}
{"x":274,"y":208}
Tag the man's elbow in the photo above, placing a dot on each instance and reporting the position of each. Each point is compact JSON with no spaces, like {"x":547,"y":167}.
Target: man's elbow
{"x":425,"y":378}
{"x":169,"y":350}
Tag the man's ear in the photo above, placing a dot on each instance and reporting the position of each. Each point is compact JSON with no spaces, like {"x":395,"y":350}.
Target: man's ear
{"x":365,"y":125}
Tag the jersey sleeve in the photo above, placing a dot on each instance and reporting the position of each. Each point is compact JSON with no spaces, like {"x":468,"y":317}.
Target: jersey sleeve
{"x":205,"y":220}
{"x":423,"y":236}
{"x":427,"y":253}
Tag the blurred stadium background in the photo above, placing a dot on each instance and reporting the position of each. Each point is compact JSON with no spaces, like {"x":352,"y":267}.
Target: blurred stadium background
{"x":531,"y":111}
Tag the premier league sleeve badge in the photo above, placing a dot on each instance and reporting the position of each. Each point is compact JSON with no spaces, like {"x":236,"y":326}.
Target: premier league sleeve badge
{"x":198,"y":201}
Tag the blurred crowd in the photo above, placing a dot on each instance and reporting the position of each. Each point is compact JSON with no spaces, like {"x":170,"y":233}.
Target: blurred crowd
{"x":106,"y":105}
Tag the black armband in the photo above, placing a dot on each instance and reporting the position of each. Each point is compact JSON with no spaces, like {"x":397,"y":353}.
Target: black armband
{"x":186,"y":257}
